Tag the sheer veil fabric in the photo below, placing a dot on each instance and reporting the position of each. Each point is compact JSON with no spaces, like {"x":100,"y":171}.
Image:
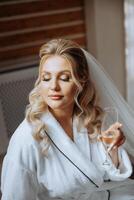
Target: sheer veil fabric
{"x":110,"y":96}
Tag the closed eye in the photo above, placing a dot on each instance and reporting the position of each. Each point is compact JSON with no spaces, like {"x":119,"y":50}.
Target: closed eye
{"x":65,"y":77}
{"x":62,"y":77}
{"x":46,"y":79}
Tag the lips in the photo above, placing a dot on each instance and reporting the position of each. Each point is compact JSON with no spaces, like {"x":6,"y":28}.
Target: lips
{"x":56,"y":97}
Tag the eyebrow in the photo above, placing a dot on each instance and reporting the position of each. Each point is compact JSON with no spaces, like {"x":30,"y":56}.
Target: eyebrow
{"x":58,"y":72}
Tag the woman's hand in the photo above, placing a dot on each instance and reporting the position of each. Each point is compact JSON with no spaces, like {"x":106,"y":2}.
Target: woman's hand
{"x":118,"y":140}
{"x":119,"y":137}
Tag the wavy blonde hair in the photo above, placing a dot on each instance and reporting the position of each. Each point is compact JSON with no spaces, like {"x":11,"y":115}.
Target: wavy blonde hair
{"x":86,"y":107}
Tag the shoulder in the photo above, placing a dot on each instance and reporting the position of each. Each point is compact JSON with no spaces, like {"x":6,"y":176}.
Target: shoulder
{"x":22,"y":135}
{"x":23,"y":148}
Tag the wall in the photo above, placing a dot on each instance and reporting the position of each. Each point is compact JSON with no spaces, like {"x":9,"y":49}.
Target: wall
{"x":26,"y":24}
{"x":105,"y":37}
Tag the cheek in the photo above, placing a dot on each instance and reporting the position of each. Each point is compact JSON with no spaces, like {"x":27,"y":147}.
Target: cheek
{"x":71,"y":91}
{"x":43,"y":90}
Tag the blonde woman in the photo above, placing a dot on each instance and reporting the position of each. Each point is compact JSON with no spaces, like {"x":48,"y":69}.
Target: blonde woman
{"x":55,"y":152}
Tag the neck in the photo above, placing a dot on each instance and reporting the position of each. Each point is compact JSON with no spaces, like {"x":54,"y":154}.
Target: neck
{"x":62,"y":115}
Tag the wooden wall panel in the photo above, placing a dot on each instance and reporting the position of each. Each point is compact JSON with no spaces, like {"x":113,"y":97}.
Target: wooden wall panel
{"x":38,"y":21}
{"x":29,"y":51}
{"x":26,"y":25}
{"x":40,"y":35}
{"x":12,"y":8}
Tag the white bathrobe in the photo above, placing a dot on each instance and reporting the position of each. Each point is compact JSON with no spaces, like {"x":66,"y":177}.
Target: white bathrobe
{"x":71,"y":170}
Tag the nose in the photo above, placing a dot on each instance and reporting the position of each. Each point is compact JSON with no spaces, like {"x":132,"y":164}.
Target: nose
{"x":54,"y":85}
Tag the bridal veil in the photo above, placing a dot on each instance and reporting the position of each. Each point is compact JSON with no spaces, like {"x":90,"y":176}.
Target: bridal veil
{"x":110,"y":96}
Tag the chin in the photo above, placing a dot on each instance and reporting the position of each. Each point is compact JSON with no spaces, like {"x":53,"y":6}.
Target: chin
{"x":54,"y":106}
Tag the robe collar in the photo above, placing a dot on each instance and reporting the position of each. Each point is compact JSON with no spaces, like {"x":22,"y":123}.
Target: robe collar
{"x":70,"y":149}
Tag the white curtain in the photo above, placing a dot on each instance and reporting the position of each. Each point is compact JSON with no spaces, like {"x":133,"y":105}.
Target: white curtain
{"x":129,"y":50}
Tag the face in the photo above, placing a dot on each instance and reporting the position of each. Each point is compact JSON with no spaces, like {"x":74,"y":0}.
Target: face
{"x":57,"y":86}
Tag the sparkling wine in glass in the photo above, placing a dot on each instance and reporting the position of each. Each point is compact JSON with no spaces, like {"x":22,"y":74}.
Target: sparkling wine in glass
{"x":107,"y":136}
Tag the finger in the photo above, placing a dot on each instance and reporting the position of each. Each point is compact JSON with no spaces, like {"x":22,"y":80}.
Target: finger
{"x":121,"y":142}
{"x":116,"y":125}
{"x":116,"y":144}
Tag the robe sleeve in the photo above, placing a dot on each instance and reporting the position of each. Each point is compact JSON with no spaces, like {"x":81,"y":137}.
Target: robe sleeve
{"x":124,"y":169}
{"x":19,"y":176}
{"x":17,"y":183}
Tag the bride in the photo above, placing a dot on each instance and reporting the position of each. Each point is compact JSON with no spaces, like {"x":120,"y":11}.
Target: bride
{"x":56,"y":153}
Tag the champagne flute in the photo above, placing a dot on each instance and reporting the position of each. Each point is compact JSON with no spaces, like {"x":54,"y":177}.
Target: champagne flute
{"x":107,"y":136}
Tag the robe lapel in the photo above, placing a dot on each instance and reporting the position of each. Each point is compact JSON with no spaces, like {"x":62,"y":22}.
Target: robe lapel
{"x":70,"y":150}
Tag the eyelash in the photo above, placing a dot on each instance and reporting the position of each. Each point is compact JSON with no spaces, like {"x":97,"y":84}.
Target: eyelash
{"x":63,"y":79}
